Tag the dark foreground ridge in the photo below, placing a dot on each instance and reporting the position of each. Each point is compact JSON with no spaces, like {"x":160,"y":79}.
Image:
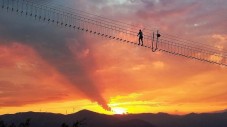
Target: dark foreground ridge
{"x":93,"y":119}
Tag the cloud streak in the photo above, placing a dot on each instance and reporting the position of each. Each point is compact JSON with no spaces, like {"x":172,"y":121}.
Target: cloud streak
{"x":52,"y":45}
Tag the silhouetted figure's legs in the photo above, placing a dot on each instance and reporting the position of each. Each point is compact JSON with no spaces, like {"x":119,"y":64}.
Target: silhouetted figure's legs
{"x":140,"y":40}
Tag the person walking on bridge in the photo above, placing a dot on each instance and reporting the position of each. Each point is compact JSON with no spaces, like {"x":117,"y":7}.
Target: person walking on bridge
{"x":140,"y":34}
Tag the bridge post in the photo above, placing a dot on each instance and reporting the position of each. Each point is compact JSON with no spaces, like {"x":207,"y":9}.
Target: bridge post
{"x":157,"y":40}
{"x":152,"y":47}
{"x":155,"y":46}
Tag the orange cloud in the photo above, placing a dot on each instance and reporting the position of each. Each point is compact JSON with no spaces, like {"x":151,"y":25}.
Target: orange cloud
{"x":77,"y":71}
{"x":26,"y":79}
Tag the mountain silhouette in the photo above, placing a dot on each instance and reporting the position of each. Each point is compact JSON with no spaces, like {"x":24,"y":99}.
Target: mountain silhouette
{"x":133,"y":123}
{"x":189,"y":120}
{"x":93,"y":119}
{"x":220,"y":111}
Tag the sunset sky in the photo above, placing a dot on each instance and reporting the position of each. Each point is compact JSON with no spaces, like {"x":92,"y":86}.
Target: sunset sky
{"x":44,"y":68}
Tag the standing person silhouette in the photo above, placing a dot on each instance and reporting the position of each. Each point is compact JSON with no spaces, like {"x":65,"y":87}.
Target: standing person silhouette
{"x":140,"y":34}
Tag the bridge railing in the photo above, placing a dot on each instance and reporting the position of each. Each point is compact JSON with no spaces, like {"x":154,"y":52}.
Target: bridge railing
{"x":193,"y":51}
{"x":74,"y":20}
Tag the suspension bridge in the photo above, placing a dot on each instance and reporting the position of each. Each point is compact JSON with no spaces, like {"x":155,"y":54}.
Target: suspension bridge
{"x":69,"y":18}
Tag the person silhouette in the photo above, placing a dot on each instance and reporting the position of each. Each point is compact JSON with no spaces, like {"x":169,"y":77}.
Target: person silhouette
{"x":140,"y":34}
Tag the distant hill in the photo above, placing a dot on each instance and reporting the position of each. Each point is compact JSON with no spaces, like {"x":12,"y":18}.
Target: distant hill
{"x":220,"y":111}
{"x":190,"y":120}
{"x":93,"y":119}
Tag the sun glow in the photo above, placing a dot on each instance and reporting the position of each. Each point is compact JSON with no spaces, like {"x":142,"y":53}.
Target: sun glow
{"x":119,"y":111}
